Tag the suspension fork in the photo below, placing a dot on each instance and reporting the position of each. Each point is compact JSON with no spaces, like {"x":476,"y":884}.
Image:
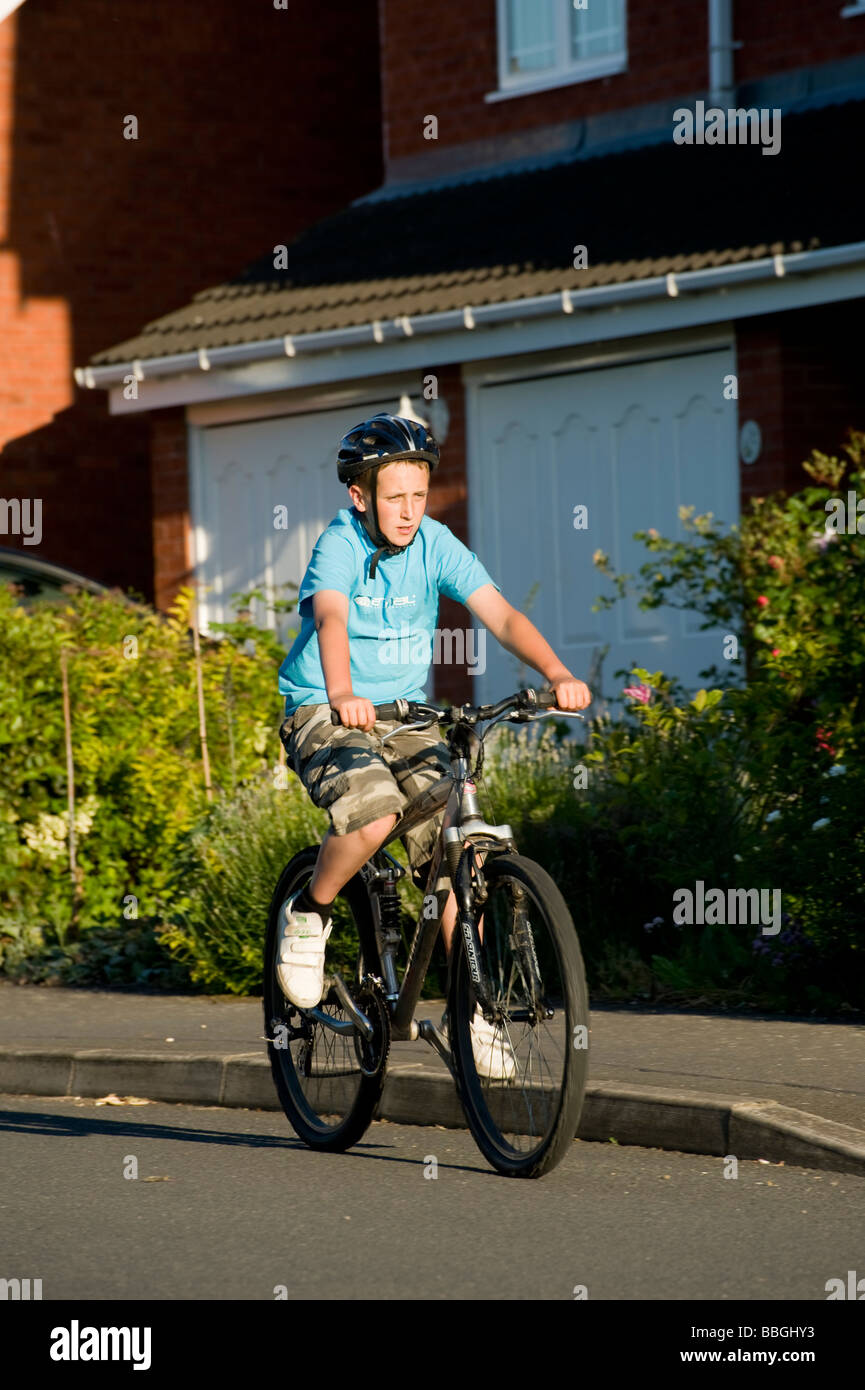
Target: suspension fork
{"x":471,"y":892}
{"x":524,"y":945}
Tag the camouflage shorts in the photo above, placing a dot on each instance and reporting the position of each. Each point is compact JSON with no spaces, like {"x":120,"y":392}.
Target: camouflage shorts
{"x":357,"y":780}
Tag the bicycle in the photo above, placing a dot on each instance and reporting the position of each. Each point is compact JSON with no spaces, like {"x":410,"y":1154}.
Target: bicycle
{"x":515,"y":955}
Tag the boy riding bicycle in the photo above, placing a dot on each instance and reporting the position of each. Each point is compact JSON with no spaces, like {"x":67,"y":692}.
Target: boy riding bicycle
{"x":378,"y":564}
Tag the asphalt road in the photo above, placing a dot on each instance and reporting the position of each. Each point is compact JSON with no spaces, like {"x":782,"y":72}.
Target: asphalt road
{"x":236,"y":1206}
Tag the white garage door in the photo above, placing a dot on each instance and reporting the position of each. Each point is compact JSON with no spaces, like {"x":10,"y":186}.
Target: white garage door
{"x":240,"y":474}
{"x":630,"y":443}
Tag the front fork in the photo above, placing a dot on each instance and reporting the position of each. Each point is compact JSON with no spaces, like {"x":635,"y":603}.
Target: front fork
{"x":471,"y":894}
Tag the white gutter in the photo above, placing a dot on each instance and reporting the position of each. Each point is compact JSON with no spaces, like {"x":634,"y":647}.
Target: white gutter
{"x":715,"y":278}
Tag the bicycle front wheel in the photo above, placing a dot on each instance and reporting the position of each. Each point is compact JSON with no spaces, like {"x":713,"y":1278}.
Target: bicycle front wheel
{"x":522,"y":1080}
{"x":328,"y":1080}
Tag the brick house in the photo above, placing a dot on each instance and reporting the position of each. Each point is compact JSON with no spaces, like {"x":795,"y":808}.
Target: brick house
{"x":99,"y":231}
{"x":602,"y":289}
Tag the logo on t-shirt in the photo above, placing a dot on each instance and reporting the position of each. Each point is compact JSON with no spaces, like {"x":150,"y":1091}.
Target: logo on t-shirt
{"x":376,"y":600}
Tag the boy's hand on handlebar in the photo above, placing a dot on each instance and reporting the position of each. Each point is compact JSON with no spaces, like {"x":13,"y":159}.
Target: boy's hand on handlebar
{"x":571,"y":693}
{"x":354,"y":712}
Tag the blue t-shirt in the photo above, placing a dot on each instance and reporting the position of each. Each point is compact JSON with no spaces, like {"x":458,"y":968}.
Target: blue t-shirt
{"x":391,"y":618}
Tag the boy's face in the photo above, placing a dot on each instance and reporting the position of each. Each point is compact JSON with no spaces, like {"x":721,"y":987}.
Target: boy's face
{"x":403,"y":489}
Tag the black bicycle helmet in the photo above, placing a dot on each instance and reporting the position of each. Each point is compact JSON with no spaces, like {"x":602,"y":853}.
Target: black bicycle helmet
{"x":383,"y":439}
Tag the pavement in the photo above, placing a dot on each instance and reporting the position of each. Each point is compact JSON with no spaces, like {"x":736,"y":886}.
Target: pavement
{"x":787,"y":1090}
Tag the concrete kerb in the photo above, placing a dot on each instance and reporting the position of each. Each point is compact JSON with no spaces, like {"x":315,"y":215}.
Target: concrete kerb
{"x":181,"y":1077}
{"x":687,"y":1121}
{"x":35,"y":1071}
{"x":711,"y":1123}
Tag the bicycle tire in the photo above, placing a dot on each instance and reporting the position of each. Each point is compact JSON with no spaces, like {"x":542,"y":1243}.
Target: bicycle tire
{"x":487,"y":1101}
{"x":307,"y":1097}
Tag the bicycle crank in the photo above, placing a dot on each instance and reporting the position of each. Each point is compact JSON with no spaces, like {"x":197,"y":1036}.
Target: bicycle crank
{"x":372,"y":1051}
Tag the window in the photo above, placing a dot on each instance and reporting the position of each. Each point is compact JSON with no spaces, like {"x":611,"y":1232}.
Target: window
{"x":549,"y":43}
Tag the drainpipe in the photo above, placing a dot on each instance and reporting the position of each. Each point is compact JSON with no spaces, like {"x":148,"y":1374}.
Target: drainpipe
{"x":721,"y":45}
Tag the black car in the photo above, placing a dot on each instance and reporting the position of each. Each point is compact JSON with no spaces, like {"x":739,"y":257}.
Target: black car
{"x":37,"y":579}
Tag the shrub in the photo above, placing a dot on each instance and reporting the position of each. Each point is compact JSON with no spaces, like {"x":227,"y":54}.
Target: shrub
{"x":138,"y":770}
{"x":224,"y":873}
{"x":749,"y":784}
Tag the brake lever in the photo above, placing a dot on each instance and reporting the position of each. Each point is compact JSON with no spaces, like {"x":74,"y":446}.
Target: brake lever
{"x":427,"y":724}
{"x":523,"y":717}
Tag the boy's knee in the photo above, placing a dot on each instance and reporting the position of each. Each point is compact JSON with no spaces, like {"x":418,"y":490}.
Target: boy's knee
{"x":377,"y":829}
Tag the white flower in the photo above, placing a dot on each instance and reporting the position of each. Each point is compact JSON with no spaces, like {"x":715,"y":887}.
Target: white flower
{"x":821,"y":824}
{"x":773,"y":815}
{"x":47,"y":837}
{"x":84,"y":814}
{"x":50,"y":835}
{"x":837,"y":770}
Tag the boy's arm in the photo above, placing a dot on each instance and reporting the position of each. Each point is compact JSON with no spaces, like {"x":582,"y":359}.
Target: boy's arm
{"x":520,"y":637}
{"x":330,"y":614}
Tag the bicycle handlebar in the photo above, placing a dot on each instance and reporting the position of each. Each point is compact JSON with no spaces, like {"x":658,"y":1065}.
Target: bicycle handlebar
{"x":409,"y":711}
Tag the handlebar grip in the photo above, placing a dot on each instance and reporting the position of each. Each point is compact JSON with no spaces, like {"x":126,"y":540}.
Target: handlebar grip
{"x":388,"y":711}
{"x":547,"y":699}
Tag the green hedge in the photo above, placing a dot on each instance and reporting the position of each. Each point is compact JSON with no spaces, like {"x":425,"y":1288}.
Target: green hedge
{"x":138,"y":772}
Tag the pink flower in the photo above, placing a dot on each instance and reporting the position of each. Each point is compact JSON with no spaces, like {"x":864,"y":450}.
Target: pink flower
{"x":776,"y":562}
{"x":822,"y":740}
{"x":776,"y":651}
{"x":762,"y":600}
{"x":642,"y":693}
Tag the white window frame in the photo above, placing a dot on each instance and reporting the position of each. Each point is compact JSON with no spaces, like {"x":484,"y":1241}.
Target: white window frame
{"x":565,"y":74}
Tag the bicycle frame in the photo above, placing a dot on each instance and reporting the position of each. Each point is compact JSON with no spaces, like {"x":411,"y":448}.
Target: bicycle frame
{"x":463,"y":831}
{"x":464,"y":836}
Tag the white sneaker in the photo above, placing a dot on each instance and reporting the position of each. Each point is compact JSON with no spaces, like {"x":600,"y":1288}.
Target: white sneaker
{"x":300,"y":943}
{"x":494,"y":1056}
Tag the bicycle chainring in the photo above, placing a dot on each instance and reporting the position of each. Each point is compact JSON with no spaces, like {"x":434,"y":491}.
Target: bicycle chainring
{"x":372,"y":1052}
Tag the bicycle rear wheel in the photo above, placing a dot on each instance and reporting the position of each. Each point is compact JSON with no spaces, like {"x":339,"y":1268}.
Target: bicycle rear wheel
{"x":328,"y":1082}
{"x":525,"y":1119}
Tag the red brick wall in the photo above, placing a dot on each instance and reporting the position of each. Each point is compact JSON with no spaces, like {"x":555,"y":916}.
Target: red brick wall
{"x":253,"y":124}
{"x":800,"y":379}
{"x":778,"y":35}
{"x":442,"y":59}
